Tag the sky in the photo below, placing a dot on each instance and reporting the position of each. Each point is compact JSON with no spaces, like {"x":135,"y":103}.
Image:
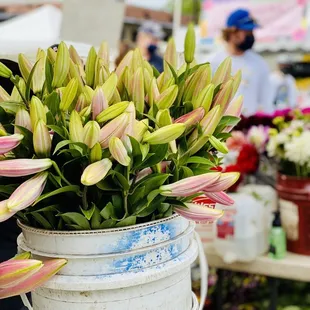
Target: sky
{"x":152,"y":4}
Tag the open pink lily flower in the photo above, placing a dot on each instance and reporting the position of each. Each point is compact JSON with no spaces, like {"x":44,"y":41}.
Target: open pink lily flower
{"x":22,"y":282}
{"x":8,"y":143}
{"x":199,"y":213}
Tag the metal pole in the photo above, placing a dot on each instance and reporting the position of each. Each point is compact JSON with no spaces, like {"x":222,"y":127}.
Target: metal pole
{"x":177,"y":16}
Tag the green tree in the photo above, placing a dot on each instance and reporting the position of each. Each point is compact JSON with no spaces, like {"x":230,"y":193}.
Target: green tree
{"x":189,"y":7}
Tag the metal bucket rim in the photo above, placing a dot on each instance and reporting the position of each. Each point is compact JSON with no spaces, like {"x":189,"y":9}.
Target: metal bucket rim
{"x":189,"y":230}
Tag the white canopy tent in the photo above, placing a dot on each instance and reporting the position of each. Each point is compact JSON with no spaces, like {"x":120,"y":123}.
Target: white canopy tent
{"x":27,"y":32}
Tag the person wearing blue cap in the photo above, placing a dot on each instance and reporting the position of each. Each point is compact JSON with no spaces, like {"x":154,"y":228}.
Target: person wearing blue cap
{"x":239,"y":38}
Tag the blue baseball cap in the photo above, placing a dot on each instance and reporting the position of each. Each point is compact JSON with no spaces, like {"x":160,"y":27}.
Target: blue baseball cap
{"x":241,"y":19}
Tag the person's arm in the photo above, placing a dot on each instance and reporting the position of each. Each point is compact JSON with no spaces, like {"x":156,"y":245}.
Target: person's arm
{"x":266,"y":93}
{"x":292,"y":92}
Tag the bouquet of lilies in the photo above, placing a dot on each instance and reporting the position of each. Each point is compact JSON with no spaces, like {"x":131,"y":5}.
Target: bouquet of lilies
{"x":85,"y":148}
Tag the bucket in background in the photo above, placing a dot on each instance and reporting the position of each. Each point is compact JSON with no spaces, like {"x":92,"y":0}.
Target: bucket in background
{"x":294,"y":203}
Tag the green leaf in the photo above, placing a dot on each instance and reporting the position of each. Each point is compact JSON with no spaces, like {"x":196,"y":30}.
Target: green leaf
{"x":218,"y":145}
{"x":159,"y":153}
{"x":50,"y":208}
{"x":7,"y":189}
{"x":28,"y":135}
{"x":169,"y":212}
{"x":199,"y":160}
{"x":173,"y":71}
{"x":11,"y":107}
{"x":29,"y":80}
{"x":65,"y":189}
{"x":42,"y":221}
{"x":58,"y":130}
{"x":163,"y":207}
{"x":52,"y":101}
{"x":174,"y":202}
{"x":150,"y":207}
{"x":61,"y":144}
{"x":223,"y":136}
{"x":137,"y":195}
{"x":107,"y":224}
{"x":153,"y":181}
{"x":96,"y":219}
{"x":105,"y":185}
{"x":230,"y":120}
{"x":108,"y":212}
{"x":88,"y":213}
{"x":186,"y":172}
{"x":129,"y":221}
{"x":152,"y":195}
{"x":75,"y":218}
{"x":121,"y":179}
{"x":49,"y":72}
{"x":155,"y":72}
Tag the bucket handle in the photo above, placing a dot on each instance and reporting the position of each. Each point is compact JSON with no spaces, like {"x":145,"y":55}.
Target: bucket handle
{"x":204,"y":272}
{"x":26,"y":301}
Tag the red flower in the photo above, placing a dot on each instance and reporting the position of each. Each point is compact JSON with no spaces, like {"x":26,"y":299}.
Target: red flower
{"x":218,"y":168}
{"x":234,"y":168}
{"x":248,"y":159}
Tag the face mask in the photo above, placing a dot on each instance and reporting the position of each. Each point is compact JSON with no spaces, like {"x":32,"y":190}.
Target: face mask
{"x":152,"y":48}
{"x":247,"y":43}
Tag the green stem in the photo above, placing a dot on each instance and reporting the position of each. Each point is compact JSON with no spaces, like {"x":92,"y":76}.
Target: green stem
{"x":60,"y":174}
{"x":127,"y":171}
{"x":84,"y":198}
{"x":13,"y":80}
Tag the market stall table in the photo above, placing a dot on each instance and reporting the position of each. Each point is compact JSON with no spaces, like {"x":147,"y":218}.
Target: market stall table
{"x":292,"y":267}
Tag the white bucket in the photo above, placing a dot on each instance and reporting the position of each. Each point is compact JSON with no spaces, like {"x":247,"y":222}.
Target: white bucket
{"x":141,"y":267}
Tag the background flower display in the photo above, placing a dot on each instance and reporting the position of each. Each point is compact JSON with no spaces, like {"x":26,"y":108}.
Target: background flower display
{"x":289,"y":145}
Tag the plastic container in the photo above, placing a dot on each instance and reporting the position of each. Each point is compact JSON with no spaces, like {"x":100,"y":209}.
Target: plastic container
{"x":241,"y":234}
{"x":294,"y":203}
{"x":142,"y":267}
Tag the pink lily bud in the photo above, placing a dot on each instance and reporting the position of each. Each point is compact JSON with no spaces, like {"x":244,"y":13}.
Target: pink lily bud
{"x":114,"y":128}
{"x":99,"y":102}
{"x":8,"y":143}
{"x":27,"y":193}
{"x":199,"y":213}
{"x":81,"y":103}
{"x":5,"y":213}
{"x":95,"y":172}
{"x":220,"y":197}
{"x":191,"y":118}
{"x":23,"y":167}
{"x":189,"y":186}
{"x":223,"y":97}
{"x":235,"y":107}
{"x":118,"y":151}
{"x":14,"y":271}
{"x":49,"y":269}
{"x":22,"y":118}
{"x":138,"y":90}
{"x":42,"y":142}
{"x":124,"y":63}
{"x":225,"y":181}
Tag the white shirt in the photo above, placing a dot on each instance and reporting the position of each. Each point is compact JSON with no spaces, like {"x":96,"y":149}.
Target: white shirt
{"x":284,"y":90}
{"x":255,"y":86}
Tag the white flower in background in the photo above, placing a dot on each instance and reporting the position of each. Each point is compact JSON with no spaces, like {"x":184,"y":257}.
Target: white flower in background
{"x":258,"y":136}
{"x":297,"y":124}
{"x":298,"y":149}
{"x":282,"y":138}
{"x":272,"y":146}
